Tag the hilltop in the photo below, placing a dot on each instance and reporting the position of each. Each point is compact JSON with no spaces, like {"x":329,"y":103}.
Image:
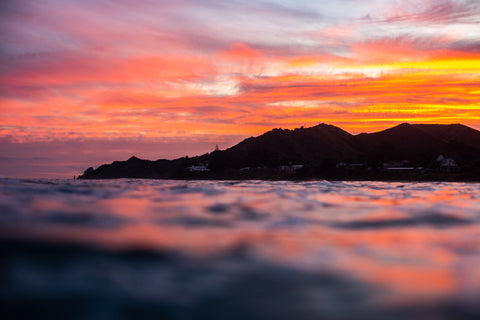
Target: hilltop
{"x":404,"y":152}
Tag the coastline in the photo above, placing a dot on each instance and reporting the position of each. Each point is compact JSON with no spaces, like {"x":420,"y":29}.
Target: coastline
{"x":459,"y":178}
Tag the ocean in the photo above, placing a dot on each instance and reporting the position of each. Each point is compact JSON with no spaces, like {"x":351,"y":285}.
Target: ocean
{"x":162,"y":249}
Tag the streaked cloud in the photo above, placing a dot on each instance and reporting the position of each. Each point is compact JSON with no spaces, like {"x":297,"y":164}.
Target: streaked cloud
{"x":190,"y":69}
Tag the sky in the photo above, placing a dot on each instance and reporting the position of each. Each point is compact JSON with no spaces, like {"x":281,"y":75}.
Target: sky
{"x":88,"y":82}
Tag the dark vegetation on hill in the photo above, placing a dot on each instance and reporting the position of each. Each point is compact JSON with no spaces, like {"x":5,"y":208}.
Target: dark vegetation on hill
{"x":324,"y":152}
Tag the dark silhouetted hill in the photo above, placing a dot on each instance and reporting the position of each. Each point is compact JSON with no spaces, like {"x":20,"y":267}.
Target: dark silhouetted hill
{"x":283,"y":146}
{"x":419,"y":143}
{"x":319,"y":149}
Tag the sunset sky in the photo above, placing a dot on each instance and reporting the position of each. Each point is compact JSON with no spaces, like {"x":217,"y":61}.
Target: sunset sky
{"x":93,"y":81}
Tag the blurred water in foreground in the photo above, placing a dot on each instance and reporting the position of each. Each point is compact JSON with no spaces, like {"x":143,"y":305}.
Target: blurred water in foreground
{"x":136,"y":249}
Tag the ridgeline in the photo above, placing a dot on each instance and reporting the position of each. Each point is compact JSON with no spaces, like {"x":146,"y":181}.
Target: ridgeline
{"x":407,"y":152}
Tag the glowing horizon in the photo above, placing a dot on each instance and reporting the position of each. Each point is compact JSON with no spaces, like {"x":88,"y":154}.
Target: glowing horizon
{"x":191,"y":71}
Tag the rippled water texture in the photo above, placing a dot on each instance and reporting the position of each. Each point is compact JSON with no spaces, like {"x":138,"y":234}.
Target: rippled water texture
{"x":239,"y":250}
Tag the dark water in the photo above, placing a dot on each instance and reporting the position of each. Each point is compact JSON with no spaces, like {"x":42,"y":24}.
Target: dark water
{"x":143,"y":249}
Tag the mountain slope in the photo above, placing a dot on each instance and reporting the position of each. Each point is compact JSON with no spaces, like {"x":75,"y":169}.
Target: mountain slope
{"x":302,"y":145}
{"x":453,"y":133}
{"x":321,"y":146}
{"x":420,"y":143}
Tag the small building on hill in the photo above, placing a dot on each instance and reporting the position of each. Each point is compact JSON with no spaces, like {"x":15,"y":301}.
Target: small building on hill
{"x":447,"y":164}
{"x":290,"y":168}
{"x":198,"y":168}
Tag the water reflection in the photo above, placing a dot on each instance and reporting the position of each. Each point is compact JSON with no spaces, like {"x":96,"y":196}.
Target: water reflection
{"x":362,"y":249}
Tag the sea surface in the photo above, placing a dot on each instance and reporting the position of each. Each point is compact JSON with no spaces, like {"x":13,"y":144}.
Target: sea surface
{"x":160,"y":249}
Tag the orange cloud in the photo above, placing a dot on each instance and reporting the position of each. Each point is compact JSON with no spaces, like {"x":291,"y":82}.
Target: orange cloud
{"x":165,"y":79}
{"x":240,"y":51}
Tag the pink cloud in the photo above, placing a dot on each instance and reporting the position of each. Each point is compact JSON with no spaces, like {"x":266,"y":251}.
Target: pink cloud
{"x":435,"y":11}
